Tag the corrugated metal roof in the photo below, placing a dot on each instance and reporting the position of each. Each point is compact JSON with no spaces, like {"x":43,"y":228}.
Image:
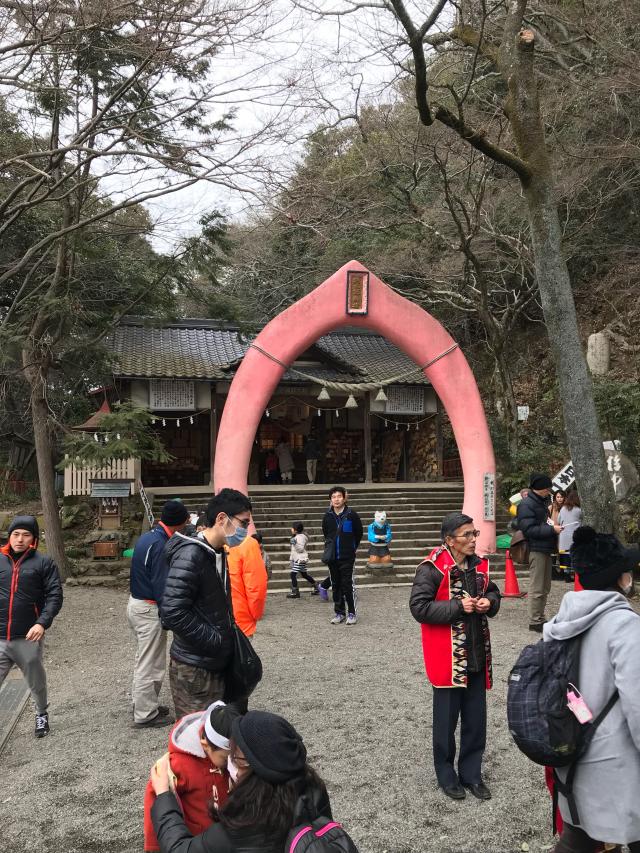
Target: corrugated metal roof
{"x":184,"y":351}
{"x":110,"y":488}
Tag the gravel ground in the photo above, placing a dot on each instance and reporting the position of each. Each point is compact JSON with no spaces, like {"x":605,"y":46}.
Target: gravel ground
{"x":357,"y":695}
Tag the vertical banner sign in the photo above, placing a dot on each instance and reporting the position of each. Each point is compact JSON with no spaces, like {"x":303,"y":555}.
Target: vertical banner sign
{"x":489,"y":492}
{"x":564,"y":478}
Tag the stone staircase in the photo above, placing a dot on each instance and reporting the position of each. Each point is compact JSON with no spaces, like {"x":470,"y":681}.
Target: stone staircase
{"x":414,"y":510}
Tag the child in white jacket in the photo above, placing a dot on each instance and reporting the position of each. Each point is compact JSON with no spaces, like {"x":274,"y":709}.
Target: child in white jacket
{"x":299,"y":559}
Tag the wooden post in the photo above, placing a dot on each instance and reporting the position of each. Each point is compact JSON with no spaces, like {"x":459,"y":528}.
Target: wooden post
{"x":368,"y":469}
{"x":214,"y":431}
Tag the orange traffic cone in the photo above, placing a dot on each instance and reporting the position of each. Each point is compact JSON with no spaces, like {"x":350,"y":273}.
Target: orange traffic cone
{"x":577,"y":586}
{"x":511,"y":588}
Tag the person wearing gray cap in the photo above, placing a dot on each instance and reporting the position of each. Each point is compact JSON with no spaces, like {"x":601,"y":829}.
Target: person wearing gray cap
{"x":452,"y":597}
{"x":30,"y":599}
{"x":149,"y":569}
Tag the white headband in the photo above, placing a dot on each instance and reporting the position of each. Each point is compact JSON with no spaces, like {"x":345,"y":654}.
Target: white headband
{"x":213,"y":736}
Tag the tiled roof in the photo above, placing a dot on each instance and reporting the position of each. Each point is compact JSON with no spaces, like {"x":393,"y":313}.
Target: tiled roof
{"x":373,"y":354}
{"x":197,"y":350}
{"x":175,"y":352}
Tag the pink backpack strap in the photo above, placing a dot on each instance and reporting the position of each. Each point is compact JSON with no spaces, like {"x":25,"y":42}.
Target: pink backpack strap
{"x":326,"y":828}
{"x":301,"y":833}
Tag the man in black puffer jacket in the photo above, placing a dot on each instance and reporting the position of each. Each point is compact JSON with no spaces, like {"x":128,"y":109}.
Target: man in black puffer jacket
{"x":196,"y":603}
{"x":342,"y":531}
{"x":542,"y":538}
{"x":30,"y":599}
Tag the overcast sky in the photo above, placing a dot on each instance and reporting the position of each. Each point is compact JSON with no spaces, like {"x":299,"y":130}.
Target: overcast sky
{"x":324,"y":62}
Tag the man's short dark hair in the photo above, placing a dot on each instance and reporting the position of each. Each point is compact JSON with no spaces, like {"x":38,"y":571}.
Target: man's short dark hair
{"x":340,"y":489}
{"x":451,"y":522}
{"x":229,"y":501}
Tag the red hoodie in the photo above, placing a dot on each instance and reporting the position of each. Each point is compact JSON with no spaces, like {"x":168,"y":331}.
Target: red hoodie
{"x":197,"y":782}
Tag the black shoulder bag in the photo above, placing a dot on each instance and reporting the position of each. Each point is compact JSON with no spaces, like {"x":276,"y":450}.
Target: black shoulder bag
{"x":329,"y":552}
{"x":244,"y":670}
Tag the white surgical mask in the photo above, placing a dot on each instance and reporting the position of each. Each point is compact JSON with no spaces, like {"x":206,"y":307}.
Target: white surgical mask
{"x":233,"y":769}
{"x":627,"y":589}
{"x":237,"y":537}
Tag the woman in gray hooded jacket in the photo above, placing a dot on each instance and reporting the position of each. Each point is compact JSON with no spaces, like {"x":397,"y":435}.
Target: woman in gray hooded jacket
{"x":607,"y":780}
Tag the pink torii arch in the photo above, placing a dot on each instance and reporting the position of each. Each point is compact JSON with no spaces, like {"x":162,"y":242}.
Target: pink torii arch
{"x":411,"y":329}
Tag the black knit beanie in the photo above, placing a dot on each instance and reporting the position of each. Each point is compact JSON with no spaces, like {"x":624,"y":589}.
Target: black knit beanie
{"x":600,"y":558}
{"x":540,"y":481}
{"x":271,"y":745}
{"x":25,"y":522}
{"x":174,"y":513}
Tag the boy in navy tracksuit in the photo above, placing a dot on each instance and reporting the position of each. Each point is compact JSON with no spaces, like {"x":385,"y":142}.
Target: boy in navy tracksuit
{"x":342,"y":526}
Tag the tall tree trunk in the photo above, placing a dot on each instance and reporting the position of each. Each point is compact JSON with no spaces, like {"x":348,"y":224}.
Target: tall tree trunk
{"x":576,"y":389}
{"x":44,"y":457}
{"x":578,"y":406}
{"x":532,"y":165}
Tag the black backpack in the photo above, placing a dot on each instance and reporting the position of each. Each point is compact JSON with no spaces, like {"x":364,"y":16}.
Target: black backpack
{"x":320,"y":836}
{"x":539,"y":720}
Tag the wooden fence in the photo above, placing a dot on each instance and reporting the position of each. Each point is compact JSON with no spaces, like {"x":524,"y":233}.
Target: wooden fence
{"x":77,"y":478}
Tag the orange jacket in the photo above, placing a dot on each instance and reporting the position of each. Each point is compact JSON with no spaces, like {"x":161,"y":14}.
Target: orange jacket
{"x":248,"y":577}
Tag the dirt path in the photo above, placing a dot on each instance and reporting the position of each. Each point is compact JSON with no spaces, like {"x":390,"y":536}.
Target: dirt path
{"x":357,"y":695}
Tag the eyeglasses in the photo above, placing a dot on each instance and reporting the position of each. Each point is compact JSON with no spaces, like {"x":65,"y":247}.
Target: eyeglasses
{"x":240,"y":762}
{"x":469,"y":535}
{"x":243,"y":522}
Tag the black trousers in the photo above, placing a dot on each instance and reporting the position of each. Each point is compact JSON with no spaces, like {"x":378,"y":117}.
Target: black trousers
{"x":341,"y":572}
{"x":576,"y":840}
{"x":305,"y":575}
{"x":469,"y":704}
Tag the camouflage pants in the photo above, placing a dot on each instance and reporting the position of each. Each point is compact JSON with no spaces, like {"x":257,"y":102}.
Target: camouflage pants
{"x":193,"y":688}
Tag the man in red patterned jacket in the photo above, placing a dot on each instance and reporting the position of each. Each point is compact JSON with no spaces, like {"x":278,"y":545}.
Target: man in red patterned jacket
{"x":452,"y":597}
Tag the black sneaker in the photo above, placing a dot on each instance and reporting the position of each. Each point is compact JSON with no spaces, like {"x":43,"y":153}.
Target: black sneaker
{"x":163,"y":711}
{"x":154,"y":722}
{"x":294,"y":593}
{"x":42,"y":725}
